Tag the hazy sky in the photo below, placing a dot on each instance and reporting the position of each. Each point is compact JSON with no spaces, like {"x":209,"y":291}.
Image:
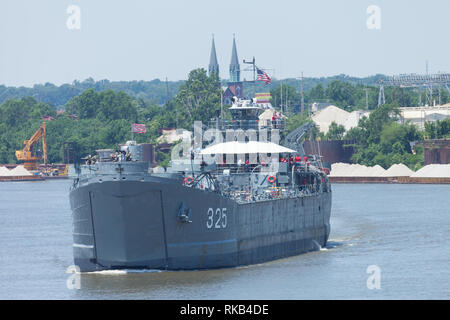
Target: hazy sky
{"x":148,"y":39}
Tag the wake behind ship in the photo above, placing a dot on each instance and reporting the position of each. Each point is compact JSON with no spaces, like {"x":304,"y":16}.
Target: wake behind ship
{"x":201,"y":214}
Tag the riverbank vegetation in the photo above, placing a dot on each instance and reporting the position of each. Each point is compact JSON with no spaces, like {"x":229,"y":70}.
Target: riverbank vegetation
{"x":98,"y":118}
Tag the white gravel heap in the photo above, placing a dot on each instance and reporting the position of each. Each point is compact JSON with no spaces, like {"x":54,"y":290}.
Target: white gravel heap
{"x":330,"y":114}
{"x":19,"y":171}
{"x":433,"y":171}
{"x":4,"y":172}
{"x":355,"y":170}
{"x":378,"y":171}
{"x":325,"y":117}
{"x":398,"y":170}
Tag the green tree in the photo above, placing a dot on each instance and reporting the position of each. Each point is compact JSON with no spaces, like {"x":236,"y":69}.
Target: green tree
{"x":198,"y":98}
{"x":342,"y":94}
{"x":437,"y":130}
{"x":335,"y":132}
{"x":291,"y":98}
{"x":296,"y":121}
{"x":383,"y":141}
{"x":317,"y":93}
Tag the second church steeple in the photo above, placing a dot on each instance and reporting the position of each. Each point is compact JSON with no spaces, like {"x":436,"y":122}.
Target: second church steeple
{"x":235,"y":69}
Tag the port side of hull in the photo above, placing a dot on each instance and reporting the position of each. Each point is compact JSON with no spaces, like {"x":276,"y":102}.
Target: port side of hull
{"x":163,"y":225}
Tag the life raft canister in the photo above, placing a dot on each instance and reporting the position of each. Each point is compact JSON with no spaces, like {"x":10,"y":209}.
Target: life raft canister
{"x":271,"y":179}
{"x":189,"y":180}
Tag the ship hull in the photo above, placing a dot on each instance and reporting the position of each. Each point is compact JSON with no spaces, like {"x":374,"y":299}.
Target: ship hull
{"x":139,"y":224}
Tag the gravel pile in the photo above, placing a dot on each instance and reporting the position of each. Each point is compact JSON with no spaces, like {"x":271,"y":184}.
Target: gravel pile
{"x":4,"y":172}
{"x":398,"y":170}
{"x":378,"y":171}
{"x":433,"y":171}
{"x":355,"y":170}
{"x":16,"y":172}
{"x":330,"y":114}
{"x":325,"y":117}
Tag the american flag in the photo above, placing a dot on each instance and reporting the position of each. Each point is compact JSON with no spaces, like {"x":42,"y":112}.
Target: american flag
{"x":262,"y":76}
{"x":139,"y":128}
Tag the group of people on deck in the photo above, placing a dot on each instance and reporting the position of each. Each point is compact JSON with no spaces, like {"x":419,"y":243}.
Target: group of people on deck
{"x":293,"y":160}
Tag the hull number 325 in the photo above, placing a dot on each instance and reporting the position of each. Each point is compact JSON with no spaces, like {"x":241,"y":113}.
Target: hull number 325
{"x":217,"y":219}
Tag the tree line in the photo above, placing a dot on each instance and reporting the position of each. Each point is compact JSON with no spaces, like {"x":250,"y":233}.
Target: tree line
{"x":97,"y":119}
{"x":352,"y":96}
{"x":102,"y":119}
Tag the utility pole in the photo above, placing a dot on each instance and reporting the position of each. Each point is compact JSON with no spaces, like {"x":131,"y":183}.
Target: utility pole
{"x":167,"y":91}
{"x":281,"y":98}
{"x":367,"y":98}
{"x":72,"y":97}
{"x":381,"y":96}
{"x":439,"y":95}
{"x":287,"y":99}
{"x":302,"y":95}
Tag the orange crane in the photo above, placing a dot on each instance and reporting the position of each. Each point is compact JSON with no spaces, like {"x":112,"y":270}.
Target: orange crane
{"x":29,"y":153}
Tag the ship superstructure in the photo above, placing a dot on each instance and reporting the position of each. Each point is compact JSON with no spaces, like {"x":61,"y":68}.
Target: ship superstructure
{"x":242,"y":198}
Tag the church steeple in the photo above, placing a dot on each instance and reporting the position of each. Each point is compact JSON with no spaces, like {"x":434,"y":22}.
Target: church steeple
{"x":235,"y":69}
{"x":213,"y":65}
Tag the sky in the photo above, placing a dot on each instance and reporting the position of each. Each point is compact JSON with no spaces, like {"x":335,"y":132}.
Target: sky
{"x":45,"y":41}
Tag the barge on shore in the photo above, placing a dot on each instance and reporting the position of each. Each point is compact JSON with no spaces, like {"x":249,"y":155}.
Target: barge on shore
{"x":401,"y":180}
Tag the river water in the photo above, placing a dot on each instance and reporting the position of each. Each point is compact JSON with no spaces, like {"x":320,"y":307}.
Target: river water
{"x":387,"y":242}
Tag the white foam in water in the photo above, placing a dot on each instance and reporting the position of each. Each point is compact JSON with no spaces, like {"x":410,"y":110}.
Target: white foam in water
{"x":109,"y":272}
{"x":123,"y":271}
{"x":317,"y":245}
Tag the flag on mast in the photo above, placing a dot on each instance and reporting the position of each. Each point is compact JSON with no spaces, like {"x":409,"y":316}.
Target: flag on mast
{"x":262,"y":76}
{"x":139,"y":128}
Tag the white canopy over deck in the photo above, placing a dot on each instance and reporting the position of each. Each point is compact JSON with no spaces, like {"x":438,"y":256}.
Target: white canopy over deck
{"x":250,"y":147}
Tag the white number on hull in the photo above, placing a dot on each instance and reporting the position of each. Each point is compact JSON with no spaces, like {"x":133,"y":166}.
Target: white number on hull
{"x":219,"y":217}
{"x":224,"y":218}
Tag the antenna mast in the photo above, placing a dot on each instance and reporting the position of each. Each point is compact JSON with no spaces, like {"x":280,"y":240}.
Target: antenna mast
{"x":252,"y":62}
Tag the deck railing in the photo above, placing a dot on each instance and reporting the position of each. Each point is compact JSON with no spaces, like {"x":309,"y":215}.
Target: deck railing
{"x":248,"y":124}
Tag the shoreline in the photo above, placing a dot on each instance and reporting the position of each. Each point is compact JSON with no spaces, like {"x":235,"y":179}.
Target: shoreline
{"x":30,"y":178}
{"x":391,"y":180}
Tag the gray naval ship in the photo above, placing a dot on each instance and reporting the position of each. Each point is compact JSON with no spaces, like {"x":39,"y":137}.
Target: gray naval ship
{"x":225,"y":211}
